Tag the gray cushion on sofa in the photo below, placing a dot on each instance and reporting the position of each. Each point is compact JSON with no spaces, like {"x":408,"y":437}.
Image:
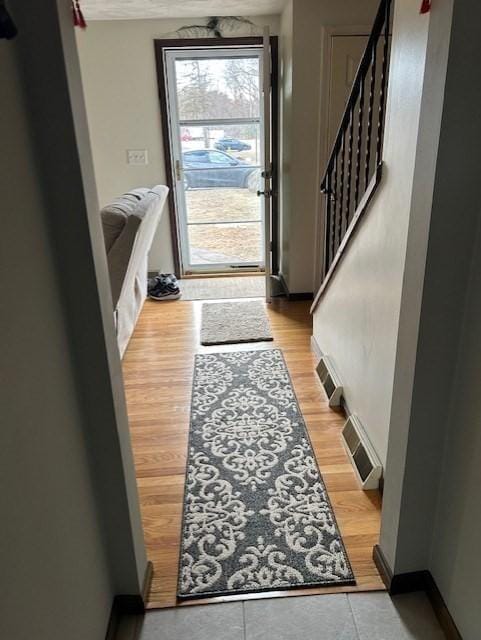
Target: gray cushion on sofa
{"x":129,"y":225}
{"x":119,"y":255}
{"x":120,"y":222}
{"x":115,"y":214}
{"x":113,"y":222}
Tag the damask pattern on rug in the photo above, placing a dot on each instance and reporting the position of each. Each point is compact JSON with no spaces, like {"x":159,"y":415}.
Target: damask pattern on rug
{"x":256,"y":513}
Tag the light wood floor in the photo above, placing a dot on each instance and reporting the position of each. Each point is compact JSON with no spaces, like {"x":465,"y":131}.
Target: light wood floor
{"x":158,"y":369}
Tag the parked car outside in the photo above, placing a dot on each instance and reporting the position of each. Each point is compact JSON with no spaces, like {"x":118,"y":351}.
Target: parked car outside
{"x":226,"y":144}
{"x":204,"y":168}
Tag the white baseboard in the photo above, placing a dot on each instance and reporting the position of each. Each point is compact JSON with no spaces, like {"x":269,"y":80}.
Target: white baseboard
{"x":345,"y":406}
{"x":315,"y":348}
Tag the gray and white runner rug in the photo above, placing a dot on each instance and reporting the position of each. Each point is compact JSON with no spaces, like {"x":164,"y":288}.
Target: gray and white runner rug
{"x":256,"y":512}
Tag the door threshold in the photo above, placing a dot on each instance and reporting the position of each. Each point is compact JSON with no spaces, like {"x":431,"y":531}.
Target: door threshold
{"x":222,"y":274}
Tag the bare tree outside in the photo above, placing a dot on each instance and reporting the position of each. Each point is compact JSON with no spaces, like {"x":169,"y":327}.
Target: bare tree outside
{"x":242,"y":77}
{"x":229,"y":91}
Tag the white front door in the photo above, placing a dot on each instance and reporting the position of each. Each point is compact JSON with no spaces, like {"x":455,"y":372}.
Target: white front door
{"x":216,"y":119}
{"x":346,"y":52}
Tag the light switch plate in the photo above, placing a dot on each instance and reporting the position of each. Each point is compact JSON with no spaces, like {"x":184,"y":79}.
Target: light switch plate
{"x":137,"y":156}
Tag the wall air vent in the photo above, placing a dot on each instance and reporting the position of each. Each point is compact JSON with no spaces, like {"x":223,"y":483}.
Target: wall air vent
{"x":364,"y":459}
{"x":329,"y":381}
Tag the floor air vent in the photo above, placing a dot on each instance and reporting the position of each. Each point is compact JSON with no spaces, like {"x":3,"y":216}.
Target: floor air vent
{"x":363,"y":457}
{"x":330,"y":381}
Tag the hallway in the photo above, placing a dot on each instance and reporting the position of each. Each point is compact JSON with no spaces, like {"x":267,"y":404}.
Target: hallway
{"x":158,"y":369}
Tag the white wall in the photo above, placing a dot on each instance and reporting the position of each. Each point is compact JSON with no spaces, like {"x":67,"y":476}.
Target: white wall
{"x":302,"y":149}
{"x":401,"y":317}
{"x":356,"y":322}
{"x":300,"y":170}
{"x":455,"y":562}
{"x":434,"y":453}
{"x":67,"y":543}
{"x":406,"y":444}
{"x":121,"y":92}
{"x":52,"y":552}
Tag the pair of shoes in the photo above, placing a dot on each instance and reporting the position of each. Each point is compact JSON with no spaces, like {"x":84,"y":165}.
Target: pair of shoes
{"x":167,"y":277}
{"x":163,"y":287}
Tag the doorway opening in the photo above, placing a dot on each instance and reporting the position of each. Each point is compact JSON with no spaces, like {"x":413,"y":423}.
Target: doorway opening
{"x":220,"y":157}
{"x":158,"y":364}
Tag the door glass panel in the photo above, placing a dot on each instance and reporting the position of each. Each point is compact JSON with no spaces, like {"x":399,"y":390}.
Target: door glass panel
{"x":214,"y":88}
{"x":222,"y":205}
{"x":225,"y":243}
{"x":241,"y":142}
{"x":218,"y":155}
{"x":222,"y":179}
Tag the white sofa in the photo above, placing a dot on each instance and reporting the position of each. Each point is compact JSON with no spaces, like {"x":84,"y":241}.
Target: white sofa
{"x":129,"y":224}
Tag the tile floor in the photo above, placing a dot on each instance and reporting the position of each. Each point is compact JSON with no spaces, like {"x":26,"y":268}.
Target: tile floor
{"x":357,"y":616}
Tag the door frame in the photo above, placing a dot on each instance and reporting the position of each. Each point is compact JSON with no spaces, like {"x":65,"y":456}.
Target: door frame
{"x":171,"y":56}
{"x":187,"y":43}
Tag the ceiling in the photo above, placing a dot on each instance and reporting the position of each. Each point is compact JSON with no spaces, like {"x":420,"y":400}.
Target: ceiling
{"x":137,"y":9}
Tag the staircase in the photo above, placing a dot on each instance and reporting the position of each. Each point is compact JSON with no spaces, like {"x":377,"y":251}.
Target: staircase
{"x":354,"y":168}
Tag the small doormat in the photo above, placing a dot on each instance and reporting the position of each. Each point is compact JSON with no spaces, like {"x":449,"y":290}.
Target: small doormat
{"x":257,"y":516}
{"x":226,"y":287}
{"x":232,"y":322}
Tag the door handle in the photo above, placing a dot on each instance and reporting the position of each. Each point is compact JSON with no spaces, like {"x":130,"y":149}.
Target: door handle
{"x":267,"y":193}
{"x":178,"y":170}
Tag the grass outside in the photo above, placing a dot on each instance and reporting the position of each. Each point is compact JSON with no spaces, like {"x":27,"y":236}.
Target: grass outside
{"x":222,"y":205}
{"x":233,"y":242}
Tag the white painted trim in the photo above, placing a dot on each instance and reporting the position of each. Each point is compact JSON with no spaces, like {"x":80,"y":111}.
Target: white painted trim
{"x":315,"y":348}
{"x":265,"y":97}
